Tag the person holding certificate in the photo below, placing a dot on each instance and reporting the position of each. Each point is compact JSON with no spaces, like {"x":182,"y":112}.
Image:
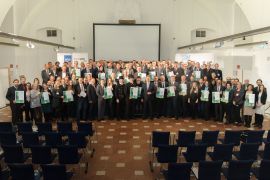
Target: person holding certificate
{"x":148,"y":92}
{"x":35,"y":102}
{"x":80,"y":91}
{"x":29,"y":114}
{"x":131,"y":96}
{"x":15,"y":96}
{"x":101,"y":101}
{"x":109,"y":98}
{"x":57,"y":99}
{"x":249,"y":105}
{"x":238,"y":101}
{"x":218,"y":89}
{"x":161,"y":95}
{"x":138,"y":101}
{"x":260,"y":106}
{"x":183,"y":97}
{"x":172,"y":95}
{"x":120,"y":98}
{"x":205,"y":97}
{"x":46,"y":98}
{"x":193,"y":100}
{"x":226,"y":103}
{"x":92,"y":99}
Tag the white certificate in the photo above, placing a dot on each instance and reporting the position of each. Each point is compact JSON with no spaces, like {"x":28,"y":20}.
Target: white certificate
{"x":142,"y":75}
{"x":109,"y":71}
{"x":135,"y":91}
{"x":109,"y":92}
{"x":183,"y":88}
{"x":78,"y":72}
{"x":45,"y":96}
{"x":226,"y":95}
{"x":83,"y":94}
{"x":102,"y":76}
{"x":197,"y":74}
{"x":161,"y":91}
{"x":251,"y":98}
{"x":217,"y":96}
{"x":205,"y":94}
{"x":170,"y":74}
{"x":19,"y":96}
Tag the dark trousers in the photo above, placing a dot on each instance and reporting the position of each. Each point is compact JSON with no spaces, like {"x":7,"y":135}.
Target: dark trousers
{"x":236,"y":114}
{"x":16,"y":110}
{"x":182,"y":106}
{"x":120,"y":109}
{"x":205,"y":110}
{"x":29,"y":114}
{"x":259,"y":119}
{"x":248,"y":120}
{"x":47,"y":116}
{"x":109,"y":108}
{"x":148,"y":108}
{"x":228,"y":110}
{"x":172,"y":107}
{"x":37,"y":114}
{"x":162,"y":107}
{"x":138,"y":107}
{"x":218,"y":112}
{"x":156,"y":107}
{"x":81,"y":109}
{"x":130,"y":108}
{"x":91,"y":113}
{"x":193,"y":110}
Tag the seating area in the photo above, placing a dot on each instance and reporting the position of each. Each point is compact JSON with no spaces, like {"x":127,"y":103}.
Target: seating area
{"x":31,"y":151}
{"x":236,"y":155}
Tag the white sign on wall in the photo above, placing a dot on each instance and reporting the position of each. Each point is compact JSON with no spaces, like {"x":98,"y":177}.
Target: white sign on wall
{"x":71,"y":57}
{"x":198,"y":57}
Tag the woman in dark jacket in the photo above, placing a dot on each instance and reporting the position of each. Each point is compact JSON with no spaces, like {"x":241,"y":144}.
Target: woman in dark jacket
{"x":46,"y":103}
{"x":205,"y":95}
{"x":260,"y":106}
{"x":238,"y":101}
{"x":193,"y":100}
{"x":57,"y":95}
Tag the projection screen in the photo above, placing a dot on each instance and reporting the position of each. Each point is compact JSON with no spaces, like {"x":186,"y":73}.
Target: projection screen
{"x":126,"y":42}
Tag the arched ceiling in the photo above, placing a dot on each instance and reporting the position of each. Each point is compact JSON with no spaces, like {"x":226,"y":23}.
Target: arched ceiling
{"x":256,"y":11}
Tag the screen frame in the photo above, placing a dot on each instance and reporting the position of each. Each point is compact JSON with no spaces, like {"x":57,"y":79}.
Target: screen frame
{"x":115,"y":24}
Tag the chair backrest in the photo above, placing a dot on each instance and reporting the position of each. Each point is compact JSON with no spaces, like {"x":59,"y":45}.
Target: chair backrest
{"x":210,"y":137}
{"x":196,"y":152}
{"x":8,"y":138}
{"x":86,"y":127}
{"x":255,"y":136}
{"x":44,"y":127}
{"x":77,"y":139}
{"x":249,"y":151}
{"x":264,"y":172}
{"x":186,"y":138}
{"x":232,"y":137}
{"x":53,"y":139}
{"x":54,"y":172}
{"x":68,"y":155}
{"x":160,"y":138}
{"x":167,"y":154}
{"x":6,"y":127}
{"x":239,"y":169}
{"x":30,"y":139}
{"x":24,"y":127}
{"x":64,"y":127}
{"x":223,"y":152}
{"x":41,"y":155}
{"x":266,"y":152}
{"x":210,"y":170}
{"x":268,"y":136}
{"x":179,"y":171}
{"x":22,"y":171}
{"x":13,"y":153}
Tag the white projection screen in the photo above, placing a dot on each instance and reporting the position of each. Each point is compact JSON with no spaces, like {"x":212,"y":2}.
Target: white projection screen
{"x":126,"y":42}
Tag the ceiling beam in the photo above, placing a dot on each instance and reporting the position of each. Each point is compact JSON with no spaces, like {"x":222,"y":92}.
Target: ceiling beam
{"x":23,"y":38}
{"x":230,"y":37}
{"x":9,"y":44}
{"x":251,"y":44}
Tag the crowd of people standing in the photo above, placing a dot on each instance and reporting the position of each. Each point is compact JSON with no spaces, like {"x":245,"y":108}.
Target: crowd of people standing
{"x":136,"y":89}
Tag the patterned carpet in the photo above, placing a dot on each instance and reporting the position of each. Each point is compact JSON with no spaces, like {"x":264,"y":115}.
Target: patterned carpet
{"x":122,"y":147}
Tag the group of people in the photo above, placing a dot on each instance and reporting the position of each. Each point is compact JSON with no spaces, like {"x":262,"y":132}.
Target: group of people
{"x":126,"y":90}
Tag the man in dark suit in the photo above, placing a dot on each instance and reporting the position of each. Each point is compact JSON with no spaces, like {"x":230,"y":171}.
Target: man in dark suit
{"x":120,"y":98}
{"x":218,"y":72}
{"x":218,"y":106}
{"x":183,"y":89}
{"x":64,"y":73}
{"x":22,"y":86}
{"x":45,"y":73}
{"x":92,"y":98}
{"x":162,"y":102}
{"x":80,"y":90}
{"x":148,"y":92}
{"x":16,"y":108}
{"x":130,"y":109}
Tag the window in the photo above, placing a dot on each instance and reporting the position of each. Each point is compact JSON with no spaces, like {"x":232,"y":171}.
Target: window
{"x":51,"y":33}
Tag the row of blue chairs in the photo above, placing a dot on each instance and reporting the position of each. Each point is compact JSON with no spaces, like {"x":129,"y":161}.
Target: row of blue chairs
{"x":212,"y":170}
{"x":27,"y":172}
{"x":62,"y":127}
